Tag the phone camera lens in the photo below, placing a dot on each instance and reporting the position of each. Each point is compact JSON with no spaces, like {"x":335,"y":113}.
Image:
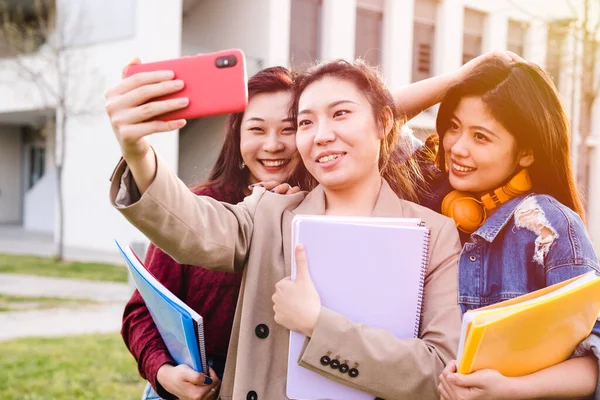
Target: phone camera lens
{"x":226,"y":62}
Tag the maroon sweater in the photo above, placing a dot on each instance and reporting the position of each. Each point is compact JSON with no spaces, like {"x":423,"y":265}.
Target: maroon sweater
{"x":212,"y":294}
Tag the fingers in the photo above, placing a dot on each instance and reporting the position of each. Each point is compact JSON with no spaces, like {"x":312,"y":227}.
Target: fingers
{"x":137,"y":80}
{"x":214,"y":387}
{"x":197,"y":378}
{"x":135,"y":60}
{"x":148,"y":111}
{"x":301,"y":263}
{"x":284,"y":188}
{"x":276,"y":187}
{"x":445,"y":388}
{"x":293,"y":190}
{"x":515,"y":56}
{"x":444,"y":395}
{"x":143,"y":94}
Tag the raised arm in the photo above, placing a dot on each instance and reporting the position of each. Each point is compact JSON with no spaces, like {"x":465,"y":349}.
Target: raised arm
{"x":417,"y":97}
{"x":193,"y":230}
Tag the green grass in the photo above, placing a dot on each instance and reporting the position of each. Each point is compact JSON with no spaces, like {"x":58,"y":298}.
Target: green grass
{"x":22,"y":303}
{"x":73,"y":368}
{"x":46,"y":266}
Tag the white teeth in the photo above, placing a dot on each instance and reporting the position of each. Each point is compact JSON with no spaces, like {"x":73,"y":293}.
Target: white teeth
{"x":461,"y":168}
{"x":328,"y":158}
{"x":275,"y":163}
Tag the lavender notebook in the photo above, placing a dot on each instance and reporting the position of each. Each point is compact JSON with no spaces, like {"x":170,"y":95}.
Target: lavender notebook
{"x":369,"y":269}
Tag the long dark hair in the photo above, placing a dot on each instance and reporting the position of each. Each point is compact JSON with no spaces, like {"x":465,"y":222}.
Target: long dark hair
{"x":401,"y":176}
{"x":226,"y":172}
{"x":522,"y":97}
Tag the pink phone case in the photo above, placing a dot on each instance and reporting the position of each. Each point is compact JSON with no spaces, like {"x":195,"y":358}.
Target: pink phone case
{"x":212,"y":89}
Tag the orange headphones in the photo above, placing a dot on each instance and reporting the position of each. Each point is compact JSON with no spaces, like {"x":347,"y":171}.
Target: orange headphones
{"x":469,"y":212}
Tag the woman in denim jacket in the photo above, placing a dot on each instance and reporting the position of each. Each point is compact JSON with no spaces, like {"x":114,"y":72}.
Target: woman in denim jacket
{"x":501,"y":120}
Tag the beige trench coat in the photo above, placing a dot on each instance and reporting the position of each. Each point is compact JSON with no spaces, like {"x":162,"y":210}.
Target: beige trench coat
{"x":254,"y":236}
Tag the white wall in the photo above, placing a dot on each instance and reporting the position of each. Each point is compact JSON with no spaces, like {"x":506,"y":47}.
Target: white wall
{"x":338,"y":29}
{"x":199,"y":145}
{"x":226,"y":24}
{"x":10,"y":174}
{"x":92,"y":151}
{"x":39,"y":204}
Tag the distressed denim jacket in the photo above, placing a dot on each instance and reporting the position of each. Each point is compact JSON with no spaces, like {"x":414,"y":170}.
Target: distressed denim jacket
{"x":530,"y":242}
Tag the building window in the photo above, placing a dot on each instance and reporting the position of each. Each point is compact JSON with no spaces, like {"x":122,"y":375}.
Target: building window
{"x":25,"y":25}
{"x":423,"y":39}
{"x":516,"y":36}
{"x":305,"y":35}
{"x":473,"y":34}
{"x":557,"y":33}
{"x":369,"y":28}
{"x":37,"y":164}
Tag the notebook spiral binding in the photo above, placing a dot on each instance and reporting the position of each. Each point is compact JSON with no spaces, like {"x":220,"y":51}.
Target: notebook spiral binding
{"x":202,"y":348}
{"x":424,"y":262}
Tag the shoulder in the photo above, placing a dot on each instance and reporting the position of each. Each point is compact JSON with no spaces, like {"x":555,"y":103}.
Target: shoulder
{"x":430,"y":218}
{"x":218,"y":193}
{"x":542,"y":209}
{"x":561,"y":237}
{"x":264,"y":202}
{"x":442,"y":230}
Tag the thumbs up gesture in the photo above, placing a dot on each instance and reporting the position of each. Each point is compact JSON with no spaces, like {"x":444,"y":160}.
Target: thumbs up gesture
{"x":296,"y":302}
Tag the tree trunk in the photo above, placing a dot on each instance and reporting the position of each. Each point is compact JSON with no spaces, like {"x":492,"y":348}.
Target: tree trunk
{"x":60,"y":241}
{"x":60,"y":163}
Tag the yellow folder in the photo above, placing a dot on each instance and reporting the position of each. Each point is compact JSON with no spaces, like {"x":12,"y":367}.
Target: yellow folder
{"x":530,"y":332}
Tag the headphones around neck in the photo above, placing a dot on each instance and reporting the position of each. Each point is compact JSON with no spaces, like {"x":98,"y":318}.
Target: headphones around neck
{"x":470,"y":212}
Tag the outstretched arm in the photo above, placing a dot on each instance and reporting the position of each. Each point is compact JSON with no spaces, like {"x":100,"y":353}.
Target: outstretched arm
{"x":413,"y":99}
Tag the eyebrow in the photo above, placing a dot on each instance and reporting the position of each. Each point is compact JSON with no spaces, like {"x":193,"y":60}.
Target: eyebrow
{"x":477,"y":127}
{"x":335,"y":103}
{"x":262,"y":120}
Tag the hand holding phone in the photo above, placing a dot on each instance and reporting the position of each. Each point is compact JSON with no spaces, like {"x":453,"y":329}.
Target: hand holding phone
{"x":214,"y":83}
{"x":159,"y":97}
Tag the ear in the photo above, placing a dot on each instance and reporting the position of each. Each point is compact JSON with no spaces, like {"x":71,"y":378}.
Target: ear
{"x":526,"y":158}
{"x":387,"y":122}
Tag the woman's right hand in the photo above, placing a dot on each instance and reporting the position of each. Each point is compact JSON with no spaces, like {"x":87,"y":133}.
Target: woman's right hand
{"x":131,"y":111}
{"x":504,"y":56}
{"x":187,"y":384}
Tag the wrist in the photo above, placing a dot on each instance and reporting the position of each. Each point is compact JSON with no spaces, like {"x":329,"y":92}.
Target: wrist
{"x":517,"y":388}
{"x":143,"y":169}
{"x":312,"y":323}
{"x":162,"y":375}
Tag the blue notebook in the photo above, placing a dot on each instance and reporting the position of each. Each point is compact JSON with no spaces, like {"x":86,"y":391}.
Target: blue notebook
{"x":180,"y":326}
{"x":370,"y":270}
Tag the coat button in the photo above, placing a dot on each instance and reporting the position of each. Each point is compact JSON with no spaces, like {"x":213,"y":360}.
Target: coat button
{"x":335,"y":364}
{"x":344,"y":368}
{"x":325,"y":360}
{"x":262,"y":331}
{"x":472,"y":258}
{"x":252,"y":395}
{"x":353,"y":373}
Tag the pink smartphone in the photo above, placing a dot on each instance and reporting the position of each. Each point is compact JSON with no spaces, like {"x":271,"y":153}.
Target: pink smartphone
{"x":215,"y":83}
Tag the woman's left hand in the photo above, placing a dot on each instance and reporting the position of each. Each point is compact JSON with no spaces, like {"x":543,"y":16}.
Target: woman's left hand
{"x":485,"y":384}
{"x":296,"y":302}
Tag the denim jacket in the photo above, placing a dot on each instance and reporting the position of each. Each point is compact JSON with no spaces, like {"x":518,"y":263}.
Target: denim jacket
{"x":530,"y":242}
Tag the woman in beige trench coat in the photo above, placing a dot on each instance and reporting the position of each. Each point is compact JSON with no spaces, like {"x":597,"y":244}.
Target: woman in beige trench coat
{"x":348,"y":123}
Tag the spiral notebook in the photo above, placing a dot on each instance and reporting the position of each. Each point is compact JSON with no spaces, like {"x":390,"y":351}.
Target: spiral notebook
{"x":371,"y":270}
{"x":180,"y":327}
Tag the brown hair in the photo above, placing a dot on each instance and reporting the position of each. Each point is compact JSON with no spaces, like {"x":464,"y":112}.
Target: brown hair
{"x":226,"y":172}
{"x":522,"y":98}
{"x":401,"y":176}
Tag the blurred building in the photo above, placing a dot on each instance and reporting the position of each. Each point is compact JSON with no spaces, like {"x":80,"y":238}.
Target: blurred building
{"x":410,"y":39}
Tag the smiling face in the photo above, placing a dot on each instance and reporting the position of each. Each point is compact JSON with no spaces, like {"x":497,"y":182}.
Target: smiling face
{"x":338,"y":136}
{"x":481,"y":155}
{"x":267,"y":138}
